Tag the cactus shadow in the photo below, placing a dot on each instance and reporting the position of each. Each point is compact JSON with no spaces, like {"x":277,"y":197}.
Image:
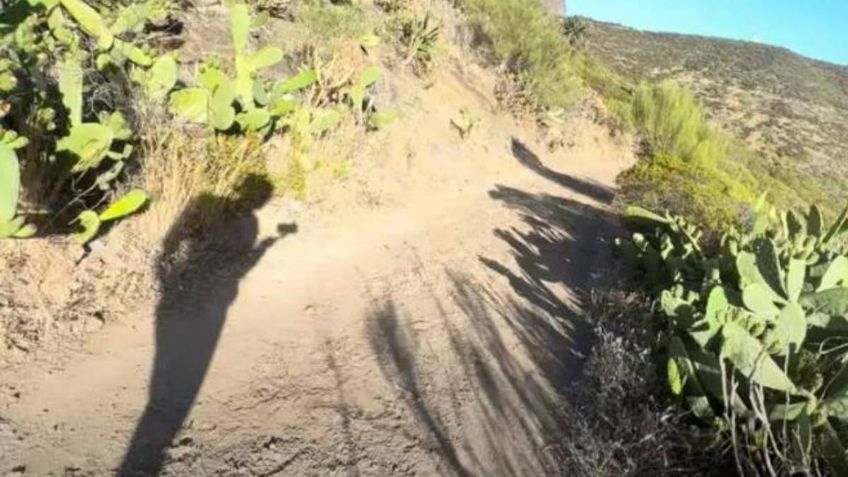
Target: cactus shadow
{"x":199,"y":270}
{"x":529,"y":159}
{"x":518,"y":336}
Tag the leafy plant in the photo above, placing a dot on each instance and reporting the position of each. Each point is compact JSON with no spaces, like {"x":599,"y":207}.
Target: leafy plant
{"x":756,"y":331}
{"x":574,"y":29}
{"x":695,"y":170}
{"x":419,"y":36}
{"x":368,"y":41}
{"x":88,"y":143}
{"x":90,"y":221}
{"x":79,"y":139}
{"x":213,"y":101}
{"x":246,"y":101}
{"x":381,"y":119}
{"x":713,"y":196}
{"x":357,"y":91}
{"x":159,"y":80}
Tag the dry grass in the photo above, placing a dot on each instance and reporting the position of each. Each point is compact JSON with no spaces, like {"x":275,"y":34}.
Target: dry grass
{"x":180,"y":165}
{"x":329,"y":21}
{"x":622,"y":424}
{"x":56,"y":291}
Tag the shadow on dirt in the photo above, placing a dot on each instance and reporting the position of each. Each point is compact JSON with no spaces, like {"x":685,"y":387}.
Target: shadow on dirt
{"x":391,"y":341}
{"x":590,"y":189}
{"x":199,"y":277}
{"x":517,"y":347}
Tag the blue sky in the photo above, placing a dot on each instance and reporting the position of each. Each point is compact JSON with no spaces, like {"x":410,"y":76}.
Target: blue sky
{"x":814,"y":28}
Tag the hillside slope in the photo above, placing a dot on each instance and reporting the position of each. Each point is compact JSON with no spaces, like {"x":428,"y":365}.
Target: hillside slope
{"x":790,"y":109}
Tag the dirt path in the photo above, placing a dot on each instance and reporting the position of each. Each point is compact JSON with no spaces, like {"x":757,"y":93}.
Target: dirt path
{"x":426,"y":335}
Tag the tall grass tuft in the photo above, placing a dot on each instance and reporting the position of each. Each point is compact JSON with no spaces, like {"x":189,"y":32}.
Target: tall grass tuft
{"x":180,"y":165}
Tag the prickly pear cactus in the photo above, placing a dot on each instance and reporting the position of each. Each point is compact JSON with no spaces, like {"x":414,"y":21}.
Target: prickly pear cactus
{"x":10,"y":224}
{"x":221,"y":102}
{"x":61,"y":42}
{"x":248,"y":64}
{"x":758,"y":311}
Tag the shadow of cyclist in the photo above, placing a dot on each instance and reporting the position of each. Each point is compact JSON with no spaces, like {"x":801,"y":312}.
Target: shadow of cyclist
{"x":199,"y":271}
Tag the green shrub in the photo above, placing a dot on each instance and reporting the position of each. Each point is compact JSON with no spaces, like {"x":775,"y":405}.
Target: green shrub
{"x":690,"y":168}
{"x":754,"y":331}
{"x":419,"y":36}
{"x":574,"y":29}
{"x":532,"y":45}
{"x":712,"y":196}
{"x":673,"y":123}
{"x":787,"y":188}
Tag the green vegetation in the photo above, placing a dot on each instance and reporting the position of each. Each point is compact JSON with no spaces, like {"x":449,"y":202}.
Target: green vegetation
{"x":750,"y":325}
{"x":710,"y":195}
{"x":754,"y":330}
{"x":687,"y":167}
{"x":788,"y":109}
{"x":91,"y":221}
{"x":69,"y":124}
{"x":98,"y":121}
{"x":258,"y":105}
{"x":11,"y":225}
{"x":531,"y":45}
{"x":692,"y":169}
{"x":81,"y":85}
{"x":333,"y":20}
{"x":464,"y":122}
{"x":574,"y":29}
{"x":673,"y":123}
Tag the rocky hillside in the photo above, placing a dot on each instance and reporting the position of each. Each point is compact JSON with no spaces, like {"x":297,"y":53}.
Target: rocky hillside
{"x":790,"y":109}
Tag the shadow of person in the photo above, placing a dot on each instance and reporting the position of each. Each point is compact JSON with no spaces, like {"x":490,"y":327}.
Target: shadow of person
{"x":199,"y":271}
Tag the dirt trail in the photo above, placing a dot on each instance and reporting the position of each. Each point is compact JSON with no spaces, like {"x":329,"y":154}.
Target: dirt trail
{"x":424,"y":332}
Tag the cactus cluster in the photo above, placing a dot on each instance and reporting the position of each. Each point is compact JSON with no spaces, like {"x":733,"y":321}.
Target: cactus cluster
{"x":363,"y":107}
{"x":756,"y":328}
{"x":305,"y":106}
{"x":246,"y":102}
{"x":49,"y":49}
